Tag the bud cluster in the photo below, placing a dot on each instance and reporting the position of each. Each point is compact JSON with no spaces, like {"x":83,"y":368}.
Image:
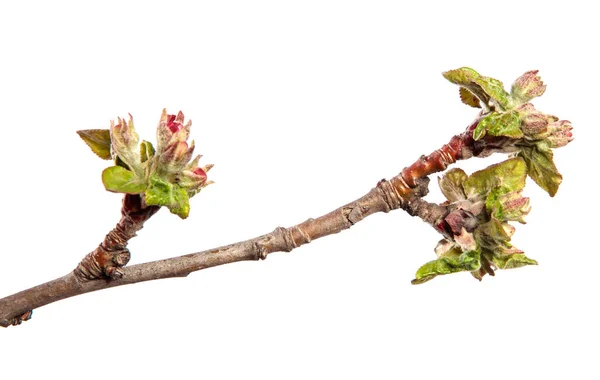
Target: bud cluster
{"x":164,"y":176}
{"x":538,"y":126}
{"x":509,"y":123}
{"x":476,"y":229}
{"x":174,"y":154}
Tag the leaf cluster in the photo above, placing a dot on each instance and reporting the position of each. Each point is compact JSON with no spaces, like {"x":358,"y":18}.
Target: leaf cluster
{"x":163,"y":176}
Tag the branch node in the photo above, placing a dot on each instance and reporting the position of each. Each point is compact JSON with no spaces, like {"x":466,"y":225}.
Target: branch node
{"x":261,"y":251}
{"x":347,"y":211}
{"x":447,"y":154}
{"x":305,"y":237}
{"x":392,"y":199}
{"x":102,"y":263}
{"x":287,"y":237}
{"x":112,"y":254}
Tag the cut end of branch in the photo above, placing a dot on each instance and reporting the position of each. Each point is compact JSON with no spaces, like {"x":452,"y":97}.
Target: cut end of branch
{"x":16,"y":320}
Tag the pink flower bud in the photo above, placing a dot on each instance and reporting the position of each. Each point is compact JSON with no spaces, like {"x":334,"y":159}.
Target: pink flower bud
{"x":199,"y":172}
{"x":539,"y":126}
{"x":171,"y":128}
{"x":514,"y":207}
{"x":560,"y":133}
{"x":175,"y":152}
{"x":533,"y":122}
{"x":175,"y":123}
{"x":192,"y":180}
{"x":527,"y":87}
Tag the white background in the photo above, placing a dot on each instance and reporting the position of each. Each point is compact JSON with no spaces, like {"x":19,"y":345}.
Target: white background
{"x":302,"y":107}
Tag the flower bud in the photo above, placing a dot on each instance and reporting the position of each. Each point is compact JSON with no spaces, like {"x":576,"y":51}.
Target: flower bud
{"x":513,"y":207}
{"x":123,"y":135}
{"x":175,"y":123}
{"x":527,"y":87}
{"x":199,"y":172}
{"x":192,"y":179}
{"x":171,"y":129}
{"x":124,"y":144}
{"x":176,"y":153}
{"x":560,"y":133}
{"x":173,"y":178}
{"x":533,"y":122}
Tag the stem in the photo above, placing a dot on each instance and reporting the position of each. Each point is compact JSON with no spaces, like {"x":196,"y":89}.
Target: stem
{"x":402,"y":191}
{"x":112,"y":254}
{"x":383,"y":198}
{"x":460,"y":147}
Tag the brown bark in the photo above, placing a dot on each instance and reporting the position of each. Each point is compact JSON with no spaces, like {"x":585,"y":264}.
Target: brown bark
{"x":383,"y":198}
{"x":112,"y":254}
{"x":460,"y":147}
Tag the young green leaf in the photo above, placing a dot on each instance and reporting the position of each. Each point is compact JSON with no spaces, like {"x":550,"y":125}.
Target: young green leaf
{"x":508,"y":176}
{"x":469,"y":98}
{"x":452,"y":262}
{"x":119,"y":162}
{"x":146,"y":151}
{"x":181,"y":202}
{"x":512,"y":261}
{"x":506,"y":124}
{"x":541,"y":168}
{"x":451,"y":184}
{"x":491,"y":235}
{"x":488,"y":90}
{"x":98,"y":140}
{"x":120,"y":180}
{"x":163,"y":193}
{"x":495,"y":89}
{"x":466,"y":77}
{"x":479,"y":131}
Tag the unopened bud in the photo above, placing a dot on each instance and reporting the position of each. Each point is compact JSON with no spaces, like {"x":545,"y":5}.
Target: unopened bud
{"x":123,"y":135}
{"x":527,"y":87}
{"x":175,"y":151}
{"x":533,"y":122}
{"x":192,"y":179}
{"x":199,"y":172}
{"x":514,"y":207}
{"x":171,"y":129}
{"x":560,"y":133}
{"x":175,"y":123}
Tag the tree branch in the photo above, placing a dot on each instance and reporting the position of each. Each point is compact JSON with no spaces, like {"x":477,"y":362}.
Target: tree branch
{"x":384,"y":197}
{"x":402,"y":191}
